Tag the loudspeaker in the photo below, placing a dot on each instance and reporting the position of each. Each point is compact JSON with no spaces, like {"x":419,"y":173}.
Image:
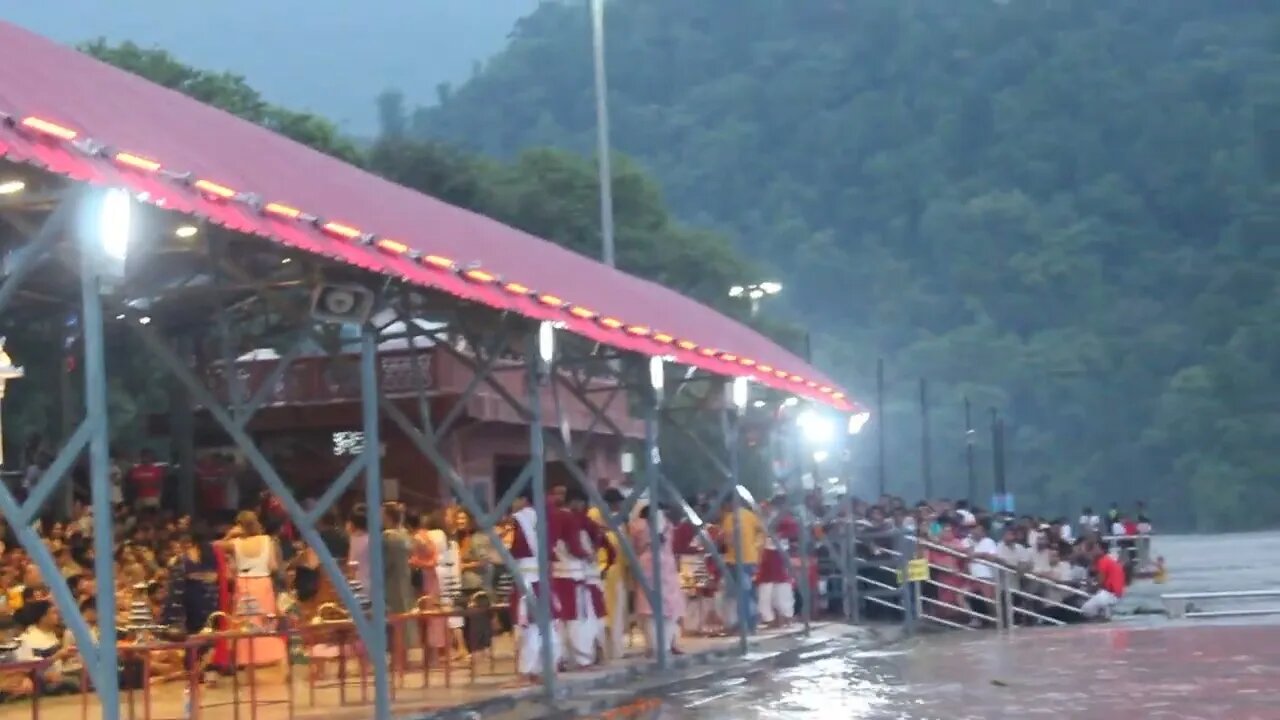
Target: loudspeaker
{"x":342,"y":304}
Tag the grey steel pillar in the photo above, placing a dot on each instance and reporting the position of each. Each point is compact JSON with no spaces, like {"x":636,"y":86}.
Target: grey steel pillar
{"x":880,"y":428}
{"x":107,"y":684}
{"x":806,"y":530}
{"x":596,"y":8}
{"x":732,"y":439}
{"x":538,"y":459}
{"x":652,"y":480}
{"x":377,"y":643}
{"x":182,"y":434}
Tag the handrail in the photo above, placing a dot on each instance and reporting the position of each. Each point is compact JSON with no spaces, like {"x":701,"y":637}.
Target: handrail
{"x":1002,"y":567}
{"x":1176,"y":605}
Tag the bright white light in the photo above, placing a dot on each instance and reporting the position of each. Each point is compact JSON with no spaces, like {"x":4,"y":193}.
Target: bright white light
{"x":120,"y":316}
{"x":759,"y":404}
{"x":741,"y":392}
{"x":12,"y":187}
{"x":791,"y":402}
{"x":547,"y":342}
{"x":817,"y":429}
{"x":858,"y":421}
{"x":833,"y":480}
{"x":186,"y":231}
{"x":114,"y":223}
{"x":657,"y":374}
{"x":737,"y":291}
{"x":771,"y":288}
{"x":756,"y":293}
{"x":286,"y":261}
{"x":144,"y":320}
{"x":820,"y":456}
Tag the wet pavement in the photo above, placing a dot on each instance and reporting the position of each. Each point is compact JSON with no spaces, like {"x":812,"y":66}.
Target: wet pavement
{"x":1133,"y":669}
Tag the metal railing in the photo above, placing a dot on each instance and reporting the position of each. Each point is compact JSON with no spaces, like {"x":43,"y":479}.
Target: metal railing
{"x":1182,"y":605}
{"x":925,"y":589}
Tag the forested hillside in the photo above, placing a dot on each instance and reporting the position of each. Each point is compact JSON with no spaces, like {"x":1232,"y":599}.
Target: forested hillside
{"x":1069,"y":209}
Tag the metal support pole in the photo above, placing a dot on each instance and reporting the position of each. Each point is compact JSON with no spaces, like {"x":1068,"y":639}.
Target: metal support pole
{"x":732,"y":439}
{"x":538,"y":458}
{"x":106,"y":678}
{"x":660,"y":647}
{"x":969,"y":437}
{"x":805,"y":561}
{"x":377,"y":643}
{"x":182,"y":433}
{"x":602,"y":131}
{"x":926,"y":450}
{"x":880,"y":423}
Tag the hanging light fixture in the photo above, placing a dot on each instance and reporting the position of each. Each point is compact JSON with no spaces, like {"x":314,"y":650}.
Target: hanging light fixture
{"x":657,"y":374}
{"x":547,"y":342}
{"x":8,"y":371}
{"x":115,"y":220}
{"x":741,"y":391}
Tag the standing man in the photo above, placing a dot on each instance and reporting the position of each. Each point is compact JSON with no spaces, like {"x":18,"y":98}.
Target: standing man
{"x":146,"y":481}
{"x":526,"y":551}
{"x":613,"y":565}
{"x":743,"y":568}
{"x":569,"y":561}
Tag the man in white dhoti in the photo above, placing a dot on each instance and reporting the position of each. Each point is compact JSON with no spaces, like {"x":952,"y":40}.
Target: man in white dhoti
{"x":526,"y":551}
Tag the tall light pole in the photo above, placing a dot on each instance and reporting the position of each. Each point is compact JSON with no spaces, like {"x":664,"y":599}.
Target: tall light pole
{"x":8,"y":371}
{"x":602,"y":131}
{"x":755,"y":292}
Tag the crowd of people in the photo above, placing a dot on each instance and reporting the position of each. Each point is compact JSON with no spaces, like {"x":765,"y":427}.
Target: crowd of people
{"x":1059,"y":572}
{"x":253,"y":570}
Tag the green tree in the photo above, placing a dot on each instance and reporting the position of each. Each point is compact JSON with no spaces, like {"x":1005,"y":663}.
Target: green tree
{"x":1059,"y":208}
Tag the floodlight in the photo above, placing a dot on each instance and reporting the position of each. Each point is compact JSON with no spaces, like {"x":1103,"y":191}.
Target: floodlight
{"x":817,"y":429}
{"x":547,"y":341}
{"x":771,"y":288}
{"x":737,"y":291}
{"x":186,"y":231}
{"x":657,"y":374}
{"x":114,"y":223}
{"x":820,"y":456}
{"x":857,"y":421}
{"x":12,"y":187}
{"x":741,"y":391}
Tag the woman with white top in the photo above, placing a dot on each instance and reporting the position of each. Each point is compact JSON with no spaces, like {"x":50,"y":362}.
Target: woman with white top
{"x":449,"y":573}
{"x":256,"y":559}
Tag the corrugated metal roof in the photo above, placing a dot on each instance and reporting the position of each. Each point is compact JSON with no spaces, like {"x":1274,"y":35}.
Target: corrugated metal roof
{"x":378,"y":225}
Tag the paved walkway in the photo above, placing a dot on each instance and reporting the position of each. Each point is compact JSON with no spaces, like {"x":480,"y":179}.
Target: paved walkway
{"x":493,"y":689}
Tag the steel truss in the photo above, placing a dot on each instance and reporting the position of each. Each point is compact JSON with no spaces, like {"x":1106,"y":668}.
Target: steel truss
{"x":489,"y":336}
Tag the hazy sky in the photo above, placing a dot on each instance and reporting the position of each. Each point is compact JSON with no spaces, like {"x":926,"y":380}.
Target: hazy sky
{"x":329,"y":56}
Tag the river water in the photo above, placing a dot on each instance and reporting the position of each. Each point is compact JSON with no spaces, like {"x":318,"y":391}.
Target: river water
{"x":1135,"y":667}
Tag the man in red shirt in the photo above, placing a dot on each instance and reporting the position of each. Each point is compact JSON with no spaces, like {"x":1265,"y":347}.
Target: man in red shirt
{"x":146,"y":482}
{"x":1111,"y":583}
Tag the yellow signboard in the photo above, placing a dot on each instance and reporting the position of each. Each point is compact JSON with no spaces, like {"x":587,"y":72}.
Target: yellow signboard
{"x":917,"y":570}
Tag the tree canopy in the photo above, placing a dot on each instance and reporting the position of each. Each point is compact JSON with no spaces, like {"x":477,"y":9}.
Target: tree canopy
{"x":1065,"y":210}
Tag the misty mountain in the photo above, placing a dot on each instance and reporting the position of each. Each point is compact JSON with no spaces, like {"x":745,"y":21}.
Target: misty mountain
{"x":328,"y":56}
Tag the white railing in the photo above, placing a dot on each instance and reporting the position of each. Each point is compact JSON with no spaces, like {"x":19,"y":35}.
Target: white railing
{"x":1182,"y":605}
{"x":962,"y":600}
{"x":1014,"y":594}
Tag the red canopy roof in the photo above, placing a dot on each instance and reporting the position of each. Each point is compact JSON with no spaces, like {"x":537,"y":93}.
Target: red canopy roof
{"x":77,"y":116}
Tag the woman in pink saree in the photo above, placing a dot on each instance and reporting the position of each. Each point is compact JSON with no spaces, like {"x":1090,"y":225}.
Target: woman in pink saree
{"x":672,"y":594}
{"x":945,"y":569}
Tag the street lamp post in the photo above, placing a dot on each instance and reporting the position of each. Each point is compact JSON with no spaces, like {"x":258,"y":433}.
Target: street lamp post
{"x":8,"y":371}
{"x":602,"y":130}
{"x":755,"y":292}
